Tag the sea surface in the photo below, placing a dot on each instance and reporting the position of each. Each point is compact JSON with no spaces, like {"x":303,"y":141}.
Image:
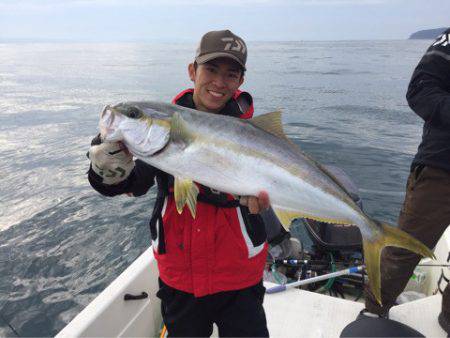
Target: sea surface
{"x":61,"y":243}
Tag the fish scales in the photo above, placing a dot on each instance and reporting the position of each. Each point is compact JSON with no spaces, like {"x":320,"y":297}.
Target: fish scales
{"x":249,"y":153}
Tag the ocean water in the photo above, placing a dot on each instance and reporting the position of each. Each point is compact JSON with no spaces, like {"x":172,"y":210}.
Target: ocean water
{"x":61,"y":243}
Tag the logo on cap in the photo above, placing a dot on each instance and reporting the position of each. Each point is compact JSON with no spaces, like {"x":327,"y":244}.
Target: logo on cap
{"x":234,"y":44}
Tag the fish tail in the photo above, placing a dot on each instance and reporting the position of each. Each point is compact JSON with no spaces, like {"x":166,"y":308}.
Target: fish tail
{"x":387,"y":236}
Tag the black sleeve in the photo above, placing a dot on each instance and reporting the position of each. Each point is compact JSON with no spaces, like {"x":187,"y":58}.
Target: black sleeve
{"x":254,"y":225}
{"x":429,"y":89}
{"x":138,"y":183}
{"x":274,"y":229}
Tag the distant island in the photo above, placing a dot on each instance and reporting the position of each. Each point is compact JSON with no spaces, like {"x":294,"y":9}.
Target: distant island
{"x":428,"y":33}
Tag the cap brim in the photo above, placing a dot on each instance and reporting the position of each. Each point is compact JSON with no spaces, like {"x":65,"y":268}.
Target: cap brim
{"x":208,"y":57}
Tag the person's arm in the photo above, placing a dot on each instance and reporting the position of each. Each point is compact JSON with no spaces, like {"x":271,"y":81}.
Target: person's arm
{"x":140,"y":180}
{"x":429,"y":89}
{"x":274,"y":229}
{"x":113,"y":172}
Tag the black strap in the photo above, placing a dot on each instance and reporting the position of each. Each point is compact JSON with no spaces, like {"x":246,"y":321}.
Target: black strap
{"x":221,"y":203}
{"x":161,"y":240}
{"x":156,"y":222}
{"x":217,"y":199}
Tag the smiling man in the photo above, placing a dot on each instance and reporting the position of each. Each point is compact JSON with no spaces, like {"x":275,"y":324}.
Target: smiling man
{"x":218,"y":70}
{"x":210,"y":267}
{"x":216,"y":81}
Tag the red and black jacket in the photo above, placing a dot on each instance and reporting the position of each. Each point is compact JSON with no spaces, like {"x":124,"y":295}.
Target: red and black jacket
{"x":224,"y":248}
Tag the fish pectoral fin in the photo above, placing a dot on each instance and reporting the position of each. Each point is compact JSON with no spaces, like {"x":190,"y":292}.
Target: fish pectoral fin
{"x":179,"y":131}
{"x":270,"y":122}
{"x":388,"y":236}
{"x":185,"y":192}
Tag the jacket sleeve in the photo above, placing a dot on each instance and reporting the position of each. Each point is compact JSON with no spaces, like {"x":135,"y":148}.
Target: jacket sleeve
{"x":429,"y":89}
{"x":138,"y":183}
{"x":274,"y":230}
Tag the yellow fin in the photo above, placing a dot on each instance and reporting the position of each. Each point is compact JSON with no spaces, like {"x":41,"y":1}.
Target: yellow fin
{"x":287,"y":216}
{"x":185,"y":192}
{"x":401,"y":239}
{"x":270,"y":122}
{"x":389,"y":236}
{"x":372,"y":254}
{"x":179,"y":131}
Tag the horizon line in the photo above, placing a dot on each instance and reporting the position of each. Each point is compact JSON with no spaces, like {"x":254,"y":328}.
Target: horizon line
{"x":57,"y":40}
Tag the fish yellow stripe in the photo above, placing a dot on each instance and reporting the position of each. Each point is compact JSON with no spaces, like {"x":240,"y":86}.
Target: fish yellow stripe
{"x":286,"y":217}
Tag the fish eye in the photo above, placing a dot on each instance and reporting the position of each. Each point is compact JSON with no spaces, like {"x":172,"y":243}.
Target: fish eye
{"x":133,"y":112}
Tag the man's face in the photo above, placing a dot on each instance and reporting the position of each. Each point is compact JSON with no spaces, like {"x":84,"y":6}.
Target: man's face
{"x":215,"y":83}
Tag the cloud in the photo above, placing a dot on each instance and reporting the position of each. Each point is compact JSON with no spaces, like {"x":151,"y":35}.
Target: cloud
{"x":42,"y":5}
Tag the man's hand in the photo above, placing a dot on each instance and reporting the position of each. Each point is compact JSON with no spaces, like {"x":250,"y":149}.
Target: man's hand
{"x":256,"y":204}
{"x":111,"y":161}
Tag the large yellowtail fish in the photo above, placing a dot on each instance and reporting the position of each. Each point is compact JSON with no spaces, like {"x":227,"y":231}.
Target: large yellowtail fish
{"x":245,"y":157}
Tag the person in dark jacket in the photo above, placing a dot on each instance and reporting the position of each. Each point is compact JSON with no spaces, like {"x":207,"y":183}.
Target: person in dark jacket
{"x":210,"y":267}
{"x":426,"y":210}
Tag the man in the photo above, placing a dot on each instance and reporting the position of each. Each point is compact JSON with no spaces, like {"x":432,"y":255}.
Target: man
{"x":210,"y":267}
{"x":426,"y":209}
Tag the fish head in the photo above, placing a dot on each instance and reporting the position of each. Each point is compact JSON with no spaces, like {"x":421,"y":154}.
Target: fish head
{"x":142,"y":131}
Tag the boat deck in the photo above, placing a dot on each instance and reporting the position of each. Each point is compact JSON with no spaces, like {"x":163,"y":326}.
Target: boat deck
{"x":299,"y":313}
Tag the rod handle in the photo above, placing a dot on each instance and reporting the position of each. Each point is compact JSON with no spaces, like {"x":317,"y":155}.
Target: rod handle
{"x":276,"y":289}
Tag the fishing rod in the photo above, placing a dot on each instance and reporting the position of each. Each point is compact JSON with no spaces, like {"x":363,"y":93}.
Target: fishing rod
{"x":280,"y":288}
{"x":297,"y":262}
{"x":436,"y":265}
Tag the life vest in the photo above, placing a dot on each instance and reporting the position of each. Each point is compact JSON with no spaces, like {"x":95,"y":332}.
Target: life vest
{"x":224,"y":248}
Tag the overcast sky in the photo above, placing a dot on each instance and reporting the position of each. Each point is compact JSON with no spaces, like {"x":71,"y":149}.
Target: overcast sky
{"x":254,"y":20}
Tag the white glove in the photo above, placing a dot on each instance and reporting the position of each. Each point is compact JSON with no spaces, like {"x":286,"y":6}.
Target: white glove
{"x":111,"y":161}
{"x":288,"y":248}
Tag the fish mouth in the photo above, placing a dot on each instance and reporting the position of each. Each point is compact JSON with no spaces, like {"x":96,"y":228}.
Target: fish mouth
{"x":142,"y":136}
{"x":106,"y":124}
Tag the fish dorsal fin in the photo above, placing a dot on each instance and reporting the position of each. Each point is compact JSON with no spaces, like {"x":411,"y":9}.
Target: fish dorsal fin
{"x":185,"y":192}
{"x":179,"y":131}
{"x":270,"y":122}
